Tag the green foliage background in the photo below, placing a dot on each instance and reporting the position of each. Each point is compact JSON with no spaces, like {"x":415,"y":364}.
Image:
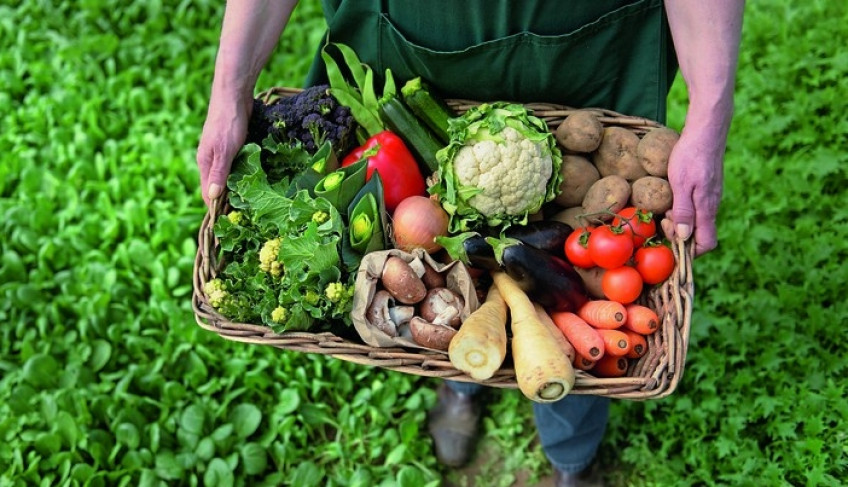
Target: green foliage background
{"x":105,"y":379}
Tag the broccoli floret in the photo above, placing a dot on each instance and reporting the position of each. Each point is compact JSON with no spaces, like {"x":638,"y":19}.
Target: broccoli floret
{"x":312,"y":117}
{"x":259,"y":126}
{"x":268,"y":257}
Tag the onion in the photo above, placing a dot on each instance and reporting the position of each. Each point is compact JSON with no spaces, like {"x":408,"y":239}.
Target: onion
{"x":416,"y":222}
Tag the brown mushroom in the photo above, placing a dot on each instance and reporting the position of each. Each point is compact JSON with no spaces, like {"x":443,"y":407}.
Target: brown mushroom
{"x":378,"y":313}
{"x":402,"y":282}
{"x":431,"y":335}
{"x":442,"y":306}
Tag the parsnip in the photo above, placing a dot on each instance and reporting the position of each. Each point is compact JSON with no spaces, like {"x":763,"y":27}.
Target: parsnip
{"x":542,"y":369}
{"x":479,"y":347}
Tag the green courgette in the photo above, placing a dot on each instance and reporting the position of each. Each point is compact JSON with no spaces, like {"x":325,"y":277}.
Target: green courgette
{"x":428,"y":107}
{"x":418,"y":137}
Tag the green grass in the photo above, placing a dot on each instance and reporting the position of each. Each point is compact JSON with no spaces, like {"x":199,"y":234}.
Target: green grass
{"x":105,"y":379}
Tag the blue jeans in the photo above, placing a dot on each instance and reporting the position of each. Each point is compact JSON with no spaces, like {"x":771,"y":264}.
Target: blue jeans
{"x":570,"y":429}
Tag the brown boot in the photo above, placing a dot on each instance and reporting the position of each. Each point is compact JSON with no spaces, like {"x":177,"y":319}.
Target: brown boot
{"x":453,"y":423}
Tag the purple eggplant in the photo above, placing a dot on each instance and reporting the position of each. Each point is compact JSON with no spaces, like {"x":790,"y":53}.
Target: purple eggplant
{"x":546,"y":279}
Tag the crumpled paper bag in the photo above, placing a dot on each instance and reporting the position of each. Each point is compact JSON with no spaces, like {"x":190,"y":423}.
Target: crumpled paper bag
{"x":368,"y":283}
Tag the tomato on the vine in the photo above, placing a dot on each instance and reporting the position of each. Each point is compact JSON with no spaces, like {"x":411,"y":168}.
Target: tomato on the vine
{"x":577,"y":250}
{"x":655,"y":263}
{"x":636,"y":222}
{"x":610,"y":247}
{"x":622,"y":284}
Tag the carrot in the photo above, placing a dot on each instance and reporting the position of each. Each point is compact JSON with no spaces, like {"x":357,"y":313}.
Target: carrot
{"x":583,"y":363}
{"x":542,"y":369}
{"x":616,"y":342}
{"x":563,"y":343}
{"x":603,"y":313}
{"x":583,"y":336}
{"x":639,"y":346}
{"x":610,"y":366}
{"x":479,"y":347}
{"x":641,"y":319}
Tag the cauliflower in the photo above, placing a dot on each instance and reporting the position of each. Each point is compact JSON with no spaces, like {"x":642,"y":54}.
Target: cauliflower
{"x":235,"y":217}
{"x":337,"y":292}
{"x":268,"y":257}
{"x":279,"y":314}
{"x":512,"y":176}
{"x":216,"y":292}
{"x":320,"y":217}
{"x":501,"y":165}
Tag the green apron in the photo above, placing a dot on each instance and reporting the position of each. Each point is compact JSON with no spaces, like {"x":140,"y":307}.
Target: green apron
{"x":613,"y":54}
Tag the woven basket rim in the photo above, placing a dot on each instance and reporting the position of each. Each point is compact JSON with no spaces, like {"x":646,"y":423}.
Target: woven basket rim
{"x":654,"y":376}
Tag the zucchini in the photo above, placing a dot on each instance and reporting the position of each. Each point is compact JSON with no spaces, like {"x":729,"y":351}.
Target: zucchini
{"x":431,"y":109}
{"x":420,"y":139}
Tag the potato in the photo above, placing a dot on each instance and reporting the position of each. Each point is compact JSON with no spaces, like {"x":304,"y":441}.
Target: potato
{"x":654,"y":148}
{"x":592,"y":280}
{"x":578,"y":174}
{"x":617,"y":154}
{"x":652,"y":194}
{"x":569,"y":216}
{"x":611,"y":193}
{"x":580,"y":132}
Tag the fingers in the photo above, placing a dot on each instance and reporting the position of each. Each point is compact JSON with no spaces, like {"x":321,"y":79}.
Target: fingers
{"x":695,"y":217}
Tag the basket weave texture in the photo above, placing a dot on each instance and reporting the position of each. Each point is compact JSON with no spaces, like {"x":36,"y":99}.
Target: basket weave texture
{"x":653,"y":376}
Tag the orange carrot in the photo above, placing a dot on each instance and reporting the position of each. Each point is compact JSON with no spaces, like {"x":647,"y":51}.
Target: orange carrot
{"x":583,"y":336}
{"x":639,"y":346}
{"x":603,"y":313}
{"x":583,"y":363}
{"x":610,"y":366}
{"x":641,"y":319}
{"x":616,"y":342}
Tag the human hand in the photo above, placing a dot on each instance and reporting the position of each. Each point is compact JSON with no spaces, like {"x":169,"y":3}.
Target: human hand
{"x":223,"y":136}
{"x":695,"y":173}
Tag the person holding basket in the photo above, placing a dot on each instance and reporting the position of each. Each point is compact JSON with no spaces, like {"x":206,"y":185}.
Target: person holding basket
{"x":620,"y":55}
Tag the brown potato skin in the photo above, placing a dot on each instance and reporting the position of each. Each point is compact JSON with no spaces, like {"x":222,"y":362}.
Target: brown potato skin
{"x":401,"y":281}
{"x":578,"y":175}
{"x":569,"y":216}
{"x":617,"y":154}
{"x":652,"y":193}
{"x":580,"y":132}
{"x":592,"y":281}
{"x":655,"y":148}
{"x":608,"y":193}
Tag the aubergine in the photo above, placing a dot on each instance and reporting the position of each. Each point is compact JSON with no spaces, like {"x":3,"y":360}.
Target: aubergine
{"x":547,"y":235}
{"x":546,"y":279}
{"x":471,"y":249}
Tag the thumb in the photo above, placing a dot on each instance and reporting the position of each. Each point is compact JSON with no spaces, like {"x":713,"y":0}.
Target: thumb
{"x":218,"y":176}
{"x":682,"y":216}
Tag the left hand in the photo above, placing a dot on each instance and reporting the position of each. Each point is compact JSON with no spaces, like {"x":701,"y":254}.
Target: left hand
{"x":695,"y":174}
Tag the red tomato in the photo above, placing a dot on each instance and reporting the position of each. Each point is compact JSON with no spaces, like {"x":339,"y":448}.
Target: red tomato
{"x":576,"y":248}
{"x":638,"y":223}
{"x":654,"y":263}
{"x":610,"y":248}
{"x":622,"y":284}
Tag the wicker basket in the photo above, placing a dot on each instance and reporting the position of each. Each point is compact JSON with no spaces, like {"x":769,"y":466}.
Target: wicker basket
{"x":655,"y":375}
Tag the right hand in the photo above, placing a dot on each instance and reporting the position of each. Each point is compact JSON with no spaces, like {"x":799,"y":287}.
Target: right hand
{"x":223,"y":135}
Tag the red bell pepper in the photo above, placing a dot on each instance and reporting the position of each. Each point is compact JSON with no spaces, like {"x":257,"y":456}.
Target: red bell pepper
{"x":388,"y":154}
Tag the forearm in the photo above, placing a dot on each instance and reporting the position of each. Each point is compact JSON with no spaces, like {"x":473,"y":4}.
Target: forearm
{"x":251,"y":30}
{"x":706,"y":35}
